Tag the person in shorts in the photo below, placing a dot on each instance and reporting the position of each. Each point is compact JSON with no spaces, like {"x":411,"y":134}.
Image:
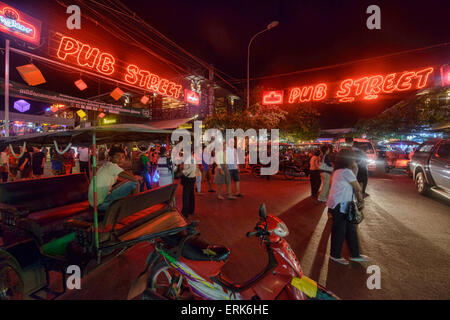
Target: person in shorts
{"x":233,"y":168}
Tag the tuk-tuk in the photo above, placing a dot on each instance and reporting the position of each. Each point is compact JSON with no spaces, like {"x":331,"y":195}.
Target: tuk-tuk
{"x":48,"y":225}
{"x":398,"y":155}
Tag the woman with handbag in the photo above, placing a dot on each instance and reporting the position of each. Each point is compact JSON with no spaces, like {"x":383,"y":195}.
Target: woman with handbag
{"x":341,"y":205}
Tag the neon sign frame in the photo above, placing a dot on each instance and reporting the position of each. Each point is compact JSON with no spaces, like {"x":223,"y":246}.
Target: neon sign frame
{"x":19,"y":25}
{"x":273,"y":97}
{"x":82,"y":54}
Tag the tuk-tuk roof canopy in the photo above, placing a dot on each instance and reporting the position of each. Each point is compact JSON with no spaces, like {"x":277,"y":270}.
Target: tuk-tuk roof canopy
{"x":117,"y":133}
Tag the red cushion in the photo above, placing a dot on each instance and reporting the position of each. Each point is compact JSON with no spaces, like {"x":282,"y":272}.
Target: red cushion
{"x":59,"y":213}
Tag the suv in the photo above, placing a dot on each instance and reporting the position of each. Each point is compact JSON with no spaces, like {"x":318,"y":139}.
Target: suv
{"x":366,"y":146}
{"x":430,"y":166}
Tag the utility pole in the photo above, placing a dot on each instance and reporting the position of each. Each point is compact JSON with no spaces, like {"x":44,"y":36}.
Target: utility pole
{"x":211,"y":90}
{"x":7,"y":88}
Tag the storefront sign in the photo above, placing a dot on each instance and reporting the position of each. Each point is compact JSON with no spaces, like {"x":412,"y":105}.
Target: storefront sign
{"x":365,"y":87}
{"x":83,"y":55}
{"x":272,"y":97}
{"x":445,"y":75}
{"x":191,"y":97}
{"x":19,"y":25}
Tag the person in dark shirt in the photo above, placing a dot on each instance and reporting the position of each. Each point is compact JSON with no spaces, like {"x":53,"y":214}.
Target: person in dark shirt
{"x":25,"y":164}
{"x":38,"y":161}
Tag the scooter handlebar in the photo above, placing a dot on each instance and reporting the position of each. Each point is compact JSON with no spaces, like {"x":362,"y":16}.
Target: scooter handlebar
{"x":252,"y":234}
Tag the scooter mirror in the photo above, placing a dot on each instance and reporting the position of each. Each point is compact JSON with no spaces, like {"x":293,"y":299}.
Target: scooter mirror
{"x":262,"y":211}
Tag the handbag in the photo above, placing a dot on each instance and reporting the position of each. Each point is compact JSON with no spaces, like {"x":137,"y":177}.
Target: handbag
{"x":354,"y":214}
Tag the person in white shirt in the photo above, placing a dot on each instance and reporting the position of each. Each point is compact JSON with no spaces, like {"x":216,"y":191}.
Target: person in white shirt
{"x":233,"y":168}
{"x":107,"y":176}
{"x":165,"y":168}
{"x":314,"y":173}
{"x":344,"y":186}
{"x":83,"y":159}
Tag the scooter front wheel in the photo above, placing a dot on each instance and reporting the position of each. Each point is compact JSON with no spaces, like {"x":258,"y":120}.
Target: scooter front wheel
{"x":165,"y":282}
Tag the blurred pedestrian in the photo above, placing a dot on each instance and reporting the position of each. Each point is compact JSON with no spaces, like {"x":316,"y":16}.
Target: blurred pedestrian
{"x":25,"y":164}
{"x":207,"y":171}
{"x":38,"y":162}
{"x":314,"y":173}
{"x":233,"y":168}
{"x":326,"y":169}
{"x":57,"y":162}
{"x":144,"y":169}
{"x":222,"y":176}
{"x":165,"y":168}
{"x":344,"y":186}
{"x":188,"y":182}
{"x":13,"y":163}
{"x":83,"y":160}
{"x":4,"y":165}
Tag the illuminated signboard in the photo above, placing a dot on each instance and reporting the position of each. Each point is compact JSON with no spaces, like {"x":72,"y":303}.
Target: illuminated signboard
{"x":82,"y":54}
{"x":445,"y":75}
{"x":365,"y":87}
{"x":19,"y":25}
{"x":191,"y":97}
{"x":273,"y":97}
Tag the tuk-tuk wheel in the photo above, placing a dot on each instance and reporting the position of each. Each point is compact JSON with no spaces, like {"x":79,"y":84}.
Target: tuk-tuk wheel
{"x":11,"y":283}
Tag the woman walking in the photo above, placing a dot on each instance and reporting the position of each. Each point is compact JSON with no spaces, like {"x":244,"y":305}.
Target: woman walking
{"x":326,"y":170}
{"x":164,"y":168}
{"x":343,"y":187}
{"x":188,"y":183}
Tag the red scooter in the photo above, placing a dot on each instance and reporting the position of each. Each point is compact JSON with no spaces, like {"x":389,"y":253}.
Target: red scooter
{"x":185,"y":267}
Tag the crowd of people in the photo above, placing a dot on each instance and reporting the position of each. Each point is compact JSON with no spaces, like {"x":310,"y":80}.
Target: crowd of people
{"x":341,"y":177}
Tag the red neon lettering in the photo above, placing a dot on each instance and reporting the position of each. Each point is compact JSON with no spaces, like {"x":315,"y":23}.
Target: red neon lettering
{"x":171,"y":89}
{"x":87,"y":56}
{"x":320,"y":92}
{"x":345,"y":88}
{"x":132,"y":74}
{"x":374,"y":86}
{"x":177,"y":91}
{"x":388,"y":83}
{"x":153,"y":83}
{"x":163,"y":84}
{"x":423,"y":77}
{"x":347,"y":99}
{"x":106,"y":64}
{"x":294,"y":94}
{"x":360,"y":85}
{"x":7,"y":12}
{"x":371,"y":97}
{"x":404,"y":82}
{"x":145,"y":75}
{"x":67,"y":46}
{"x":306,"y":94}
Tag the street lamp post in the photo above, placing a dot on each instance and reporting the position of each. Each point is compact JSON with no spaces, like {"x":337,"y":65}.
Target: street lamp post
{"x":271,"y":25}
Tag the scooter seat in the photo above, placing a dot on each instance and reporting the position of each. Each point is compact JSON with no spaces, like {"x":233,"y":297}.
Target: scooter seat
{"x":199,"y":250}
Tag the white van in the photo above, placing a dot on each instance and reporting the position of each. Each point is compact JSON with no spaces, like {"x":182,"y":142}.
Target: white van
{"x":364,"y":145}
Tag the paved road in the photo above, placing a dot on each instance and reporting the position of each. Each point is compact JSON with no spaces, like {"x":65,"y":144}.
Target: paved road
{"x":405,"y":234}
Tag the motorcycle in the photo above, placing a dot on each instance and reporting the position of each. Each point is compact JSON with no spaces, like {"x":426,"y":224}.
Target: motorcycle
{"x":184,"y":267}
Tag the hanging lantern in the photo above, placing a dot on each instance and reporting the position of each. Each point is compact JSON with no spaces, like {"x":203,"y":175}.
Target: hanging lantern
{"x":117,"y":93}
{"x":21,"y":105}
{"x":81,"y":114}
{"x":101,"y":115}
{"x":81,"y":84}
{"x":144,"y":99}
{"x":31,"y":74}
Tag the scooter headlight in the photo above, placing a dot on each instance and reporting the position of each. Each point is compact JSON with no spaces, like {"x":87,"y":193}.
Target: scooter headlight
{"x":281,"y":230}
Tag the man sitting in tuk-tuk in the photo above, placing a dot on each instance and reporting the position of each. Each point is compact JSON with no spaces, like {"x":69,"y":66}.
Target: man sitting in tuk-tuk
{"x":108,"y":189}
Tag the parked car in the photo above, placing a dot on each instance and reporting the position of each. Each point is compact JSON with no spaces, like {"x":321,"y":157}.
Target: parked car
{"x":430,"y":166}
{"x":366,"y":146}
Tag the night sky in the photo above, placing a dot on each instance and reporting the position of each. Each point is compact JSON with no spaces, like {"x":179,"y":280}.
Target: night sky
{"x":311,"y":34}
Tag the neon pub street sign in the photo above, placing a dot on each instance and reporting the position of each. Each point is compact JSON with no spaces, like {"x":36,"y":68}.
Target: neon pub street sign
{"x":19,"y":25}
{"x":82,"y":54}
{"x":366,"y":87}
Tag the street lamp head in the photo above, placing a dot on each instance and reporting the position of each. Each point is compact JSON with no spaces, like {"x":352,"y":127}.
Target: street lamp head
{"x":273,"y":24}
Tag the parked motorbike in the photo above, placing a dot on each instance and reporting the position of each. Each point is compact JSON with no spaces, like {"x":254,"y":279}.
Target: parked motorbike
{"x":187,"y":268}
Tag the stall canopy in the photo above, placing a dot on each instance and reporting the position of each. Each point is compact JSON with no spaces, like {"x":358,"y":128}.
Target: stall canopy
{"x":14,"y":116}
{"x":119,"y":133}
{"x":169,"y":124}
